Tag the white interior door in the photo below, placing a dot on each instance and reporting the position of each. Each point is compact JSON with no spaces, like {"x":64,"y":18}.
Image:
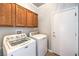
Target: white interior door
{"x":64,"y":31}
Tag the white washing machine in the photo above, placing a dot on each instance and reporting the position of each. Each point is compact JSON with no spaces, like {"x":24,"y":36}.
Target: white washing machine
{"x":41,"y":43}
{"x":19,"y":45}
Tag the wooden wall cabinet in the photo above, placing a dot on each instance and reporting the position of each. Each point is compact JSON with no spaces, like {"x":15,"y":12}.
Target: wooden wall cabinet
{"x":32,"y":19}
{"x":35,"y":20}
{"x":16,"y":15}
{"x":29,"y":18}
{"x":21,"y":16}
{"x":5,"y":14}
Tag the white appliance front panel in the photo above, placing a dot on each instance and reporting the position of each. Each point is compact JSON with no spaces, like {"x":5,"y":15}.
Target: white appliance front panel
{"x":42,"y":47}
{"x":28,"y":50}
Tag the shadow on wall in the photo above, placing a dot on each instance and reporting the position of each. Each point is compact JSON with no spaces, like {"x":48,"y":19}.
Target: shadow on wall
{"x":1,"y":52}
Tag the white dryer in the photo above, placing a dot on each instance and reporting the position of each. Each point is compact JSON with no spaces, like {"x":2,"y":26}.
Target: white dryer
{"x":19,"y":45}
{"x":41,"y":43}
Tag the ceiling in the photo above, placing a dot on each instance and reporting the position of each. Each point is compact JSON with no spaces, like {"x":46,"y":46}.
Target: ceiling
{"x":38,"y":4}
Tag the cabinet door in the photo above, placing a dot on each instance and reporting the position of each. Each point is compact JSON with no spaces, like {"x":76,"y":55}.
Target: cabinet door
{"x":32,"y":19}
{"x":20,"y":16}
{"x":13,"y":13}
{"x":5,"y":14}
{"x":29,"y":18}
{"x":35,"y":20}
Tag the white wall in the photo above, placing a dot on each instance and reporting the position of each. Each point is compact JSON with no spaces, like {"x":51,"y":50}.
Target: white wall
{"x":46,"y":13}
{"x":12,"y":30}
{"x":44,"y":19}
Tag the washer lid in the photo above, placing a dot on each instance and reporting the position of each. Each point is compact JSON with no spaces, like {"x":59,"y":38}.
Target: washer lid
{"x":39,"y":36}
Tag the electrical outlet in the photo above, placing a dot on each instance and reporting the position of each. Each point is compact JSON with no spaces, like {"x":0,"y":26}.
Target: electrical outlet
{"x":19,"y":31}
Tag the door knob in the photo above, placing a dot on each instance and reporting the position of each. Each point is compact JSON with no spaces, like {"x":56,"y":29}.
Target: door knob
{"x":53,"y":32}
{"x":53,"y":35}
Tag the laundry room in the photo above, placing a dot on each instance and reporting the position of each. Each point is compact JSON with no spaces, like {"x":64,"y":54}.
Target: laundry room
{"x":39,"y":29}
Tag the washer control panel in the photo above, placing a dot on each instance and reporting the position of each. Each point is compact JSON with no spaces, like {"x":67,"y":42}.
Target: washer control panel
{"x":17,"y":39}
{"x":16,"y":36}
